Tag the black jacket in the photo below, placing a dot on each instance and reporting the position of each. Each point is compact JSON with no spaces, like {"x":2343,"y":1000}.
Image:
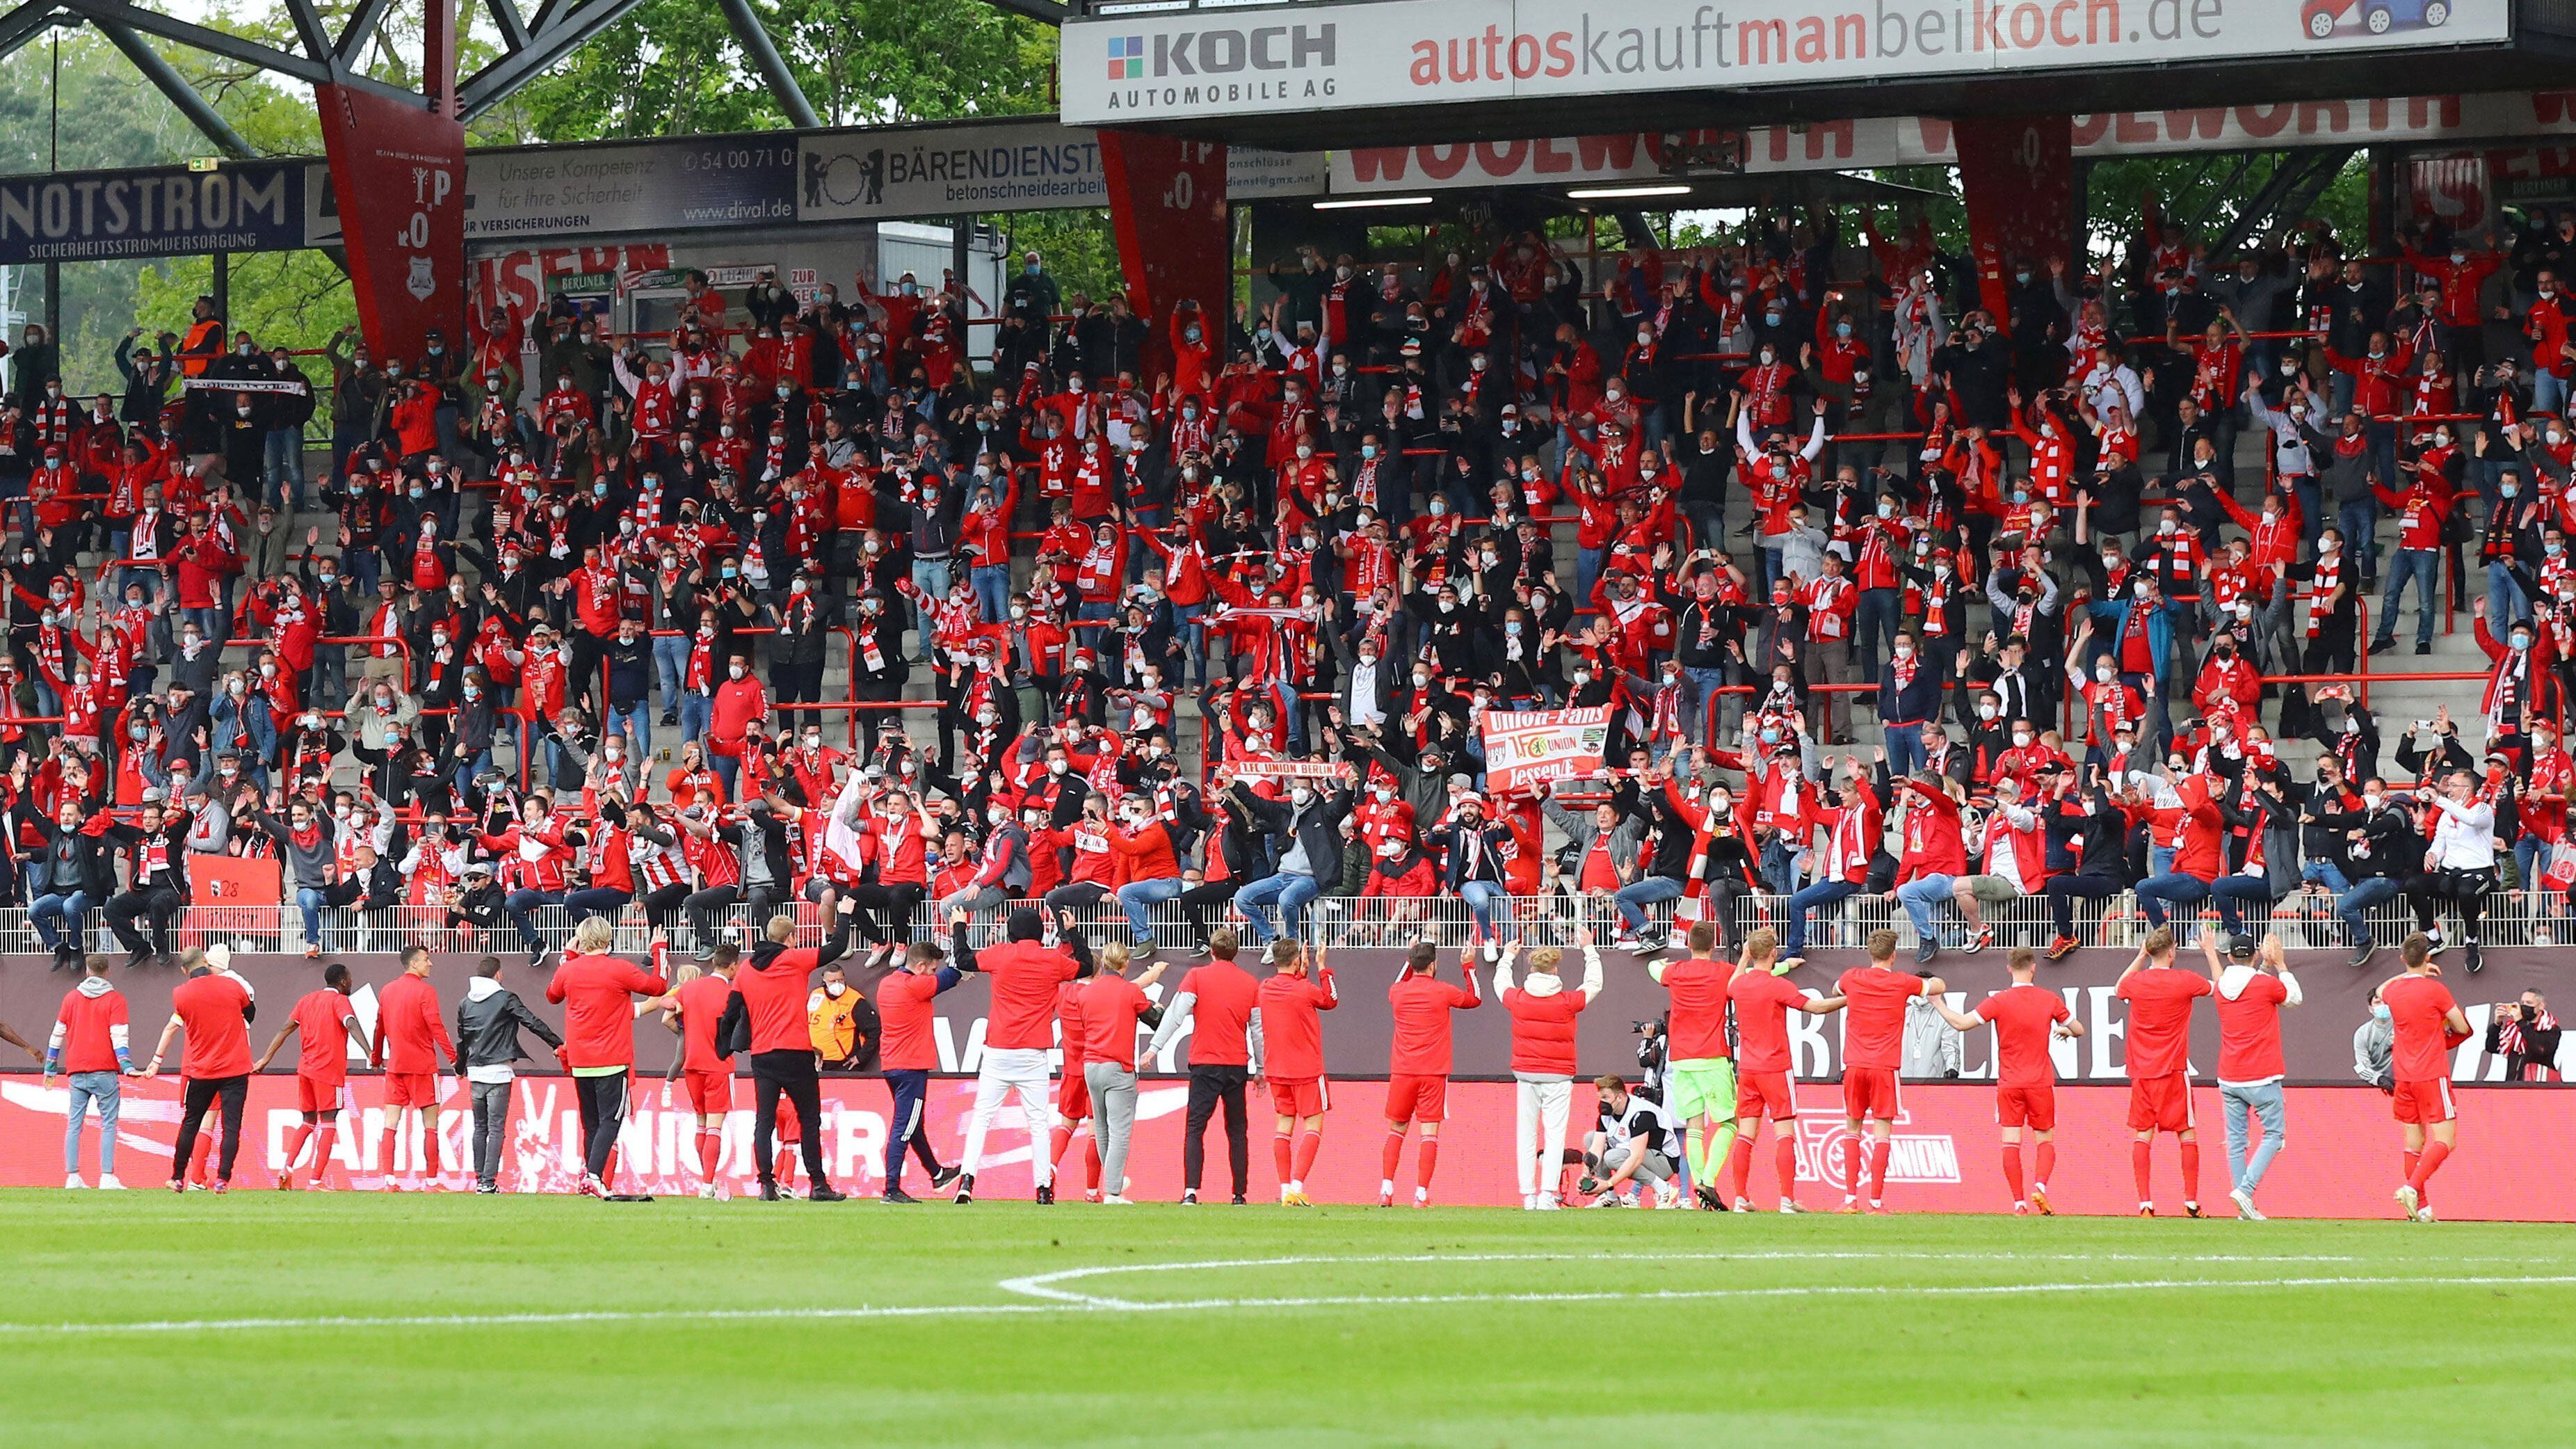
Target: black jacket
{"x":1319,"y":826}
{"x":488,"y":1027}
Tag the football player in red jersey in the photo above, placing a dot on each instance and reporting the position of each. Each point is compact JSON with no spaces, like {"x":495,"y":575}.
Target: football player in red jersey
{"x":2425,"y":1023}
{"x":1876,"y":998}
{"x":326,"y":1021}
{"x":2024,"y":1015}
{"x":2159,"y":1039}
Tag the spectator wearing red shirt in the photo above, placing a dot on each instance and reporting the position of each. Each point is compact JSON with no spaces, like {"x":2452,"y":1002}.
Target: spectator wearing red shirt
{"x":89,"y":1043}
{"x":1543,"y":1016}
{"x":1214,"y":1005}
{"x":2424,"y":1023}
{"x":597,"y":991}
{"x":1112,"y":1008}
{"x":738,"y":701}
{"x":325,"y":1021}
{"x":1287,"y":1041}
{"x":2249,"y":999}
{"x":907,"y":1053}
{"x":1418,"y":1061}
{"x":213,"y":1009}
{"x":2159,"y":1041}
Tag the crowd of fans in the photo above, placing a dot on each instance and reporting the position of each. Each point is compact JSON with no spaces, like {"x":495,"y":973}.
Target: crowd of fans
{"x":1882,"y":592}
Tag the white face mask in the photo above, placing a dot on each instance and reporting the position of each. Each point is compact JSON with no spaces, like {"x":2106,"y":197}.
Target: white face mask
{"x":2021,"y":737}
{"x":1986,"y":711}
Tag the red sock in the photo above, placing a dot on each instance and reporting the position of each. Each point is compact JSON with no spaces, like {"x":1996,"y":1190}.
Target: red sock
{"x":2435,"y":1154}
{"x":2142,"y":1162}
{"x":2191,"y":1172}
{"x":387,"y":1145}
{"x":2046,"y":1165}
{"x":197,"y":1156}
{"x":429,"y":1151}
{"x":1091,"y":1163}
{"x":1279,"y":1154}
{"x":1057,"y":1141}
{"x":1879,"y":1152}
{"x":295,"y":1141}
{"x":785,"y":1168}
{"x":1425,"y":1158}
{"x":710,"y":1149}
{"x":1739,"y":1162}
{"x":1392,"y":1153}
{"x":1784,"y":1156}
{"x":607,"y":1179}
{"x":2012,"y":1171}
{"x":1308,"y":1143}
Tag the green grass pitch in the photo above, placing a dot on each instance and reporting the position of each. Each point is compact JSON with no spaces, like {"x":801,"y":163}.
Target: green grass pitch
{"x":454,"y":1321}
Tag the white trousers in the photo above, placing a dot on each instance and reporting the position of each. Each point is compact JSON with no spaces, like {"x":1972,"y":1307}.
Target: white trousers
{"x":1022,"y":1070}
{"x":1542,"y":1104}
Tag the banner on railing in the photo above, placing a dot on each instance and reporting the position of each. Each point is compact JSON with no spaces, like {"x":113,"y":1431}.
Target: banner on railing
{"x":1530,"y":747}
{"x":232,"y":893}
{"x":1291,"y":769}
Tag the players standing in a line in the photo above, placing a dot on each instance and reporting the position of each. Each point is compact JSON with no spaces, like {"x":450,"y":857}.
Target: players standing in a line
{"x":89,"y":1043}
{"x":2425,"y":1023}
{"x":2159,"y":1064}
{"x":1112,"y":1006}
{"x":2024,"y":1016}
{"x":488,"y":1023}
{"x":325,"y":1021}
{"x":1700,"y":1070}
{"x":411,"y":1045}
{"x":1417,"y":1066}
{"x":213,"y":1008}
{"x":765,"y":1018}
{"x":1287,"y":1039}
{"x":1025,"y":973}
{"x":1543,"y":1016}
{"x":1215,"y":1006}
{"x":1875,"y":997}
{"x":2250,"y":1061}
{"x":907,"y":1053}
{"x":704,"y":1065}
{"x":597,"y":991}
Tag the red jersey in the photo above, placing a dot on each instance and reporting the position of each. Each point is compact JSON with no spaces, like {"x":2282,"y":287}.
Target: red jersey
{"x":702,"y":1009}
{"x":1874,"y":1019}
{"x":2023,"y":1018}
{"x":213,"y":1009}
{"x":905,"y":1038}
{"x":2159,"y":1030}
{"x":2249,"y":1031}
{"x":1220,"y":1014}
{"x":409,"y":1035}
{"x":322,"y":1021}
{"x":1762,"y":1003}
{"x":773,"y":996}
{"x":599,"y":1015}
{"x":1110,"y":1008}
{"x":1421,"y":1006}
{"x":1695,"y":1031}
{"x":2417,"y":1010}
{"x":94,"y":1027}
{"x":1292,"y":1034}
{"x":1025,"y":975}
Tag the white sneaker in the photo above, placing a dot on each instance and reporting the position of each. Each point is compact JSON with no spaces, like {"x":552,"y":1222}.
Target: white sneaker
{"x":2424,"y":1214}
{"x":74,"y":1181}
{"x":1547,"y":1202}
{"x":1529,"y":1202}
{"x":1493,"y":953}
{"x":2407,"y":1199}
{"x":1667,"y":1195}
{"x":2245,"y":1206}
{"x":1114,"y":1200}
{"x":707,"y":1190}
{"x":107,"y":1182}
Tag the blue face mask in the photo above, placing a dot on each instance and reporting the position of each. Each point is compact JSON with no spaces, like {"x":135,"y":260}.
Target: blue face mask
{"x":728,"y":572}
{"x":1771,"y":319}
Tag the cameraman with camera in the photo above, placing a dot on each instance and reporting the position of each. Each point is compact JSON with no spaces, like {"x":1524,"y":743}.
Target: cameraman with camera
{"x":2526,"y":1036}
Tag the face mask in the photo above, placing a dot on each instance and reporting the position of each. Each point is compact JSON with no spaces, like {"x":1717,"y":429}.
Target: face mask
{"x":2379,"y":1010}
{"x":2140,"y":589}
{"x":1301,"y":796}
{"x":2021,"y":737}
{"x":1986,"y":712}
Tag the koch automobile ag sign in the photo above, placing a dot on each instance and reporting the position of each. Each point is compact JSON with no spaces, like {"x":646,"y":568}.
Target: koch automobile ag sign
{"x":1173,"y":65}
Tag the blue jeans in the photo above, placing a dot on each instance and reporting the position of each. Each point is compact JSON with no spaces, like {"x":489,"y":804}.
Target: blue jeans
{"x":519,"y":904}
{"x":2174,"y":887}
{"x":2354,"y":905}
{"x":1136,"y":895}
{"x":697,"y":711}
{"x":1919,"y":896}
{"x":728,"y":768}
{"x":1587,"y":567}
{"x":2360,"y":523}
{"x":1292,"y":892}
{"x":1793,"y":941}
{"x":2424,"y":565}
{"x":2505,"y":600}
{"x":283,"y":459}
{"x":992,"y":584}
{"x":2230,"y":890}
{"x":310,"y":902}
{"x":465,"y":773}
{"x":1649,"y":890}
{"x":1904,"y":749}
{"x":671,"y":662}
{"x":2265,"y":1103}
{"x":2325,"y":873}
{"x":69,"y":910}
{"x":2548,"y":391}
{"x":1702,"y":730}
{"x":1191,"y":619}
{"x":88,"y":1087}
{"x":597,"y":901}
{"x":637,"y":722}
{"x":1882,"y":613}
{"x":1481,"y":896}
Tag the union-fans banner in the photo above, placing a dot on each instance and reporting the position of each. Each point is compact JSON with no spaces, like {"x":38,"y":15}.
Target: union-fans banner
{"x":2341,"y":1158}
{"x":1524,"y":748}
{"x":1191,"y":64}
